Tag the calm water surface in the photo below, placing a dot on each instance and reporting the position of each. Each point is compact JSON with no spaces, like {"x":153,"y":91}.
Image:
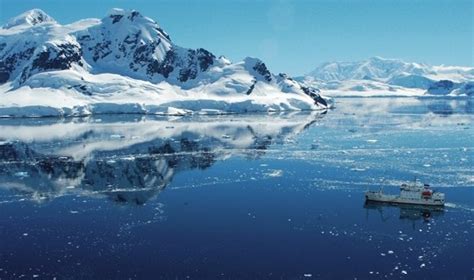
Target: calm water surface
{"x":239,"y":197}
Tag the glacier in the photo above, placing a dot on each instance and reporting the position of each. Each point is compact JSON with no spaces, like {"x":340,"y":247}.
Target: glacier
{"x":379,"y":76}
{"x":126,"y":63}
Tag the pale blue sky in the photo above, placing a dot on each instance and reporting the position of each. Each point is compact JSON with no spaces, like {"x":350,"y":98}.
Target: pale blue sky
{"x":295,"y":36}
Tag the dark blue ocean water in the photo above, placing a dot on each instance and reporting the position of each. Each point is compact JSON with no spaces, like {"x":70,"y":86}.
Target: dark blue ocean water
{"x":239,"y":197}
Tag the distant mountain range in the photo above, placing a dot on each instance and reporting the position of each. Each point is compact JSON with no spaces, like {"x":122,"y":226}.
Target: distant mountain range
{"x":380,"y":76}
{"x":126,"y":62}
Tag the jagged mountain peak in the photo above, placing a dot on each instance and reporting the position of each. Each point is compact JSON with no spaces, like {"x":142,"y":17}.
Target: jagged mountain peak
{"x":378,"y":61}
{"x":127,"y":58}
{"x":29,"y":18}
{"x":380,"y":68}
{"x":117,"y":14}
{"x":379,"y":75}
{"x":257,"y":67}
{"x":373,"y":68}
{"x":377,"y":58}
{"x":120,"y":18}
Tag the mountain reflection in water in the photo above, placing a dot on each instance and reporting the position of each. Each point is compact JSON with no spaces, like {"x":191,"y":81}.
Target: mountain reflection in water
{"x":130,"y":160}
{"x":247,"y":196}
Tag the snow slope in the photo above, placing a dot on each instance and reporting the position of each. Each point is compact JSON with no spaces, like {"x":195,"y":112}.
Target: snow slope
{"x":126,"y":63}
{"x":380,"y":76}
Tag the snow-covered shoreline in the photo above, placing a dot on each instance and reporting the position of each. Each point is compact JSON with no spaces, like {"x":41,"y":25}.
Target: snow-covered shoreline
{"x":162,"y":99}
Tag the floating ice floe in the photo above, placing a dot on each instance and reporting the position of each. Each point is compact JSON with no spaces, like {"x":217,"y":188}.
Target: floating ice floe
{"x":358,"y":169}
{"x":21,"y":174}
{"x":275,"y":173}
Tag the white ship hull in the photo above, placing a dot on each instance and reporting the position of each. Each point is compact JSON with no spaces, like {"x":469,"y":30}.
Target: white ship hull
{"x":395,"y":199}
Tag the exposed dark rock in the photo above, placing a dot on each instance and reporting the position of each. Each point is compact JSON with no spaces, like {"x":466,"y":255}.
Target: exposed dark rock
{"x":262,"y":69}
{"x":58,"y":59}
{"x":132,"y":39}
{"x":81,"y":88}
{"x":198,"y":60}
{"x":164,"y":68}
{"x":101,"y":50}
{"x":441,"y":87}
{"x":314,"y":94}
{"x":84,"y":38}
{"x":186,"y":74}
{"x":9,"y":64}
{"x":143,"y":55}
{"x":133,"y":15}
{"x":251,"y":87}
{"x":205,"y":58}
{"x":163,"y":33}
{"x":116,"y":18}
{"x":285,"y":76}
{"x":39,"y":18}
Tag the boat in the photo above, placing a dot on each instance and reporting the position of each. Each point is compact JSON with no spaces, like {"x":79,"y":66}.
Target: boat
{"x":412,"y":193}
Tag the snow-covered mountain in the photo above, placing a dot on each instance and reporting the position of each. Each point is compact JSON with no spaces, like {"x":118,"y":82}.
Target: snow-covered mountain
{"x":380,"y":76}
{"x":126,"y":62}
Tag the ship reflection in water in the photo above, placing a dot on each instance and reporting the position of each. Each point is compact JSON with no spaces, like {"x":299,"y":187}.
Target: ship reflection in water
{"x":406,"y":211}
